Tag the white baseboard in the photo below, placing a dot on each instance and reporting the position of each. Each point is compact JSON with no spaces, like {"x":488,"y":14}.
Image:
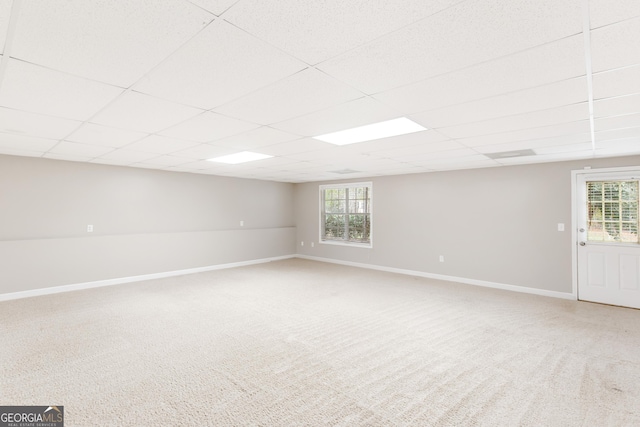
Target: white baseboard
{"x":514,"y":288}
{"x":119,"y":281}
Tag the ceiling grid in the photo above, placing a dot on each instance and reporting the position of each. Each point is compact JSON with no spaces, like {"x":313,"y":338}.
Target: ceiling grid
{"x":169,"y":85}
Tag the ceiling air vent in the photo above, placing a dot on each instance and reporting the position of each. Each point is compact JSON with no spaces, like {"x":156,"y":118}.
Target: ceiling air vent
{"x":510,"y":154}
{"x":345,"y":171}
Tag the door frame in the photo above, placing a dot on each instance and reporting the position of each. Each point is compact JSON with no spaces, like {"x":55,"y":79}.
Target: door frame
{"x":575,"y":209}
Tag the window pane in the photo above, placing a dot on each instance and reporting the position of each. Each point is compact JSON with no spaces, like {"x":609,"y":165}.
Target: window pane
{"x":334,"y":226}
{"x":346,"y":214}
{"x":611,"y":191}
{"x":356,"y":227}
{"x":594,"y":233}
{"x":612,"y":211}
{"x":334,"y":206}
{"x":612,"y":231}
{"x":594,"y":191}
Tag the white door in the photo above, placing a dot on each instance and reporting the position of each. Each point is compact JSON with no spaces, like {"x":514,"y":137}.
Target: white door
{"x":608,"y":250}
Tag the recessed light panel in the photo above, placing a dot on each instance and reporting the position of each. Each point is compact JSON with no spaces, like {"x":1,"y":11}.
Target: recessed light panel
{"x":242,"y":157}
{"x":373,"y":131}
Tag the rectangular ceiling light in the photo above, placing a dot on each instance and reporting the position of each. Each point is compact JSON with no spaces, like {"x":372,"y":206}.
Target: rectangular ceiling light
{"x":373,"y":131}
{"x":243,"y":157}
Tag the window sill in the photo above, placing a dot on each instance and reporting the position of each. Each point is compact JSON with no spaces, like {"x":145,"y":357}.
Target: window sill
{"x":344,"y":243}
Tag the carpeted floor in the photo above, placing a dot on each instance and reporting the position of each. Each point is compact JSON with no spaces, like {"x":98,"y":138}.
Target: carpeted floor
{"x":302,"y":343}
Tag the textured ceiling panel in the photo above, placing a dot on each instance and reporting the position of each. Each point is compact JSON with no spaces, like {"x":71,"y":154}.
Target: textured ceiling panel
{"x":110,"y":41}
{"x":616,"y":45}
{"x":169,"y":84}
{"x":37,"y":89}
{"x":605,"y":12}
{"x":303,"y":93}
{"x":5,"y":14}
{"x":561,"y":60}
{"x":565,"y":92}
{"x":38,"y":125}
{"x":143,"y":113}
{"x":208,"y":127}
{"x":315,"y":31}
{"x":461,"y":36}
{"x":218,"y":66}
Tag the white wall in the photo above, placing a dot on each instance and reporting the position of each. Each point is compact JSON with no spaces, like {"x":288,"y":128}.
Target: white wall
{"x":145,"y":222}
{"x":496,"y":225}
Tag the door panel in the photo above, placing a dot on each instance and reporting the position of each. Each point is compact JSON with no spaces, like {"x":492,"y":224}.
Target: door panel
{"x":608,"y":253}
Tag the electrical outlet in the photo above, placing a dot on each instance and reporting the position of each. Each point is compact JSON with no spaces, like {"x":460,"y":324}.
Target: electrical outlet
{"x":311,"y":244}
{"x":560,"y":226}
{"x":441,"y":258}
{"x":241,"y":223}
{"x":301,"y":243}
{"x":89,"y":228}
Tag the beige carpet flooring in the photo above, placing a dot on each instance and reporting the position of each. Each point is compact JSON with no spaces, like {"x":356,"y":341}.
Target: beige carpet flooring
{"x":302,"y":343}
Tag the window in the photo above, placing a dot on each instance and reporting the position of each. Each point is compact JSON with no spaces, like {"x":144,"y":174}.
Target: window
{"x":612,"y":208}
{"x":345,"y":214}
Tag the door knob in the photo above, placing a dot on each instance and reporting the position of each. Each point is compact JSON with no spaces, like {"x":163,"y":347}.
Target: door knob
{"x":582,"y":230}
{"x":582,"y":243}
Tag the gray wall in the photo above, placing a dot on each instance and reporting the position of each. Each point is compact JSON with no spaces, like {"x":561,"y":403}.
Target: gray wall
{"x":145,"y":222}
{"x":495,"y":224}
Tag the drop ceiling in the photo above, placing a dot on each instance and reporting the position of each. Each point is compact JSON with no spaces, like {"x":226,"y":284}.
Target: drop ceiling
{"x":169,"y":84}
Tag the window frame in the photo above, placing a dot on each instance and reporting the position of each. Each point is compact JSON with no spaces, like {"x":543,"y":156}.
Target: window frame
{"x":321,"y":213}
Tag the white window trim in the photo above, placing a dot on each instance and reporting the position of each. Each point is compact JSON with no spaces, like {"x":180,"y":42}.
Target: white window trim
{"x":321,"y":204}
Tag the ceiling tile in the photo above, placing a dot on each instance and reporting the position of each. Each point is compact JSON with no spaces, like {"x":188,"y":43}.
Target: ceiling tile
{"x":563,"y":60}
{"x":359,"y":112}
{"x":616,"y":45}
{"x":619,"y":147}
{"x":451,"y":163}
{"x":565,"y":148}
{"x":618,"y":122}
{"x":5,"y":15}
{"x":613,"y":134}
{"x":257,"y":138}
{"x":160,"y":145}
{"x":90,"y":133}
{"x":68,"y":157}
{"x":541,"y":158}
{"x":619,"y":82}
{"x":554,"y":116}
{"x":143,"y":113}
{"x":37,"y":89}
{"x":316,"y":31}
{"x":208,"y":127}
{"x":31,"y":124}
{"x":617,"y":106}
{"x":536,"y":144}
{"x":437,"y":45}
{"x":565,"y":92}
{"x":217,"y":7}
{"x":165,"y":161}
{"x":204,"y":152}
{"x":421,"y":157}
{"x":123,"y":156}
{"x":417,"y":149}
{"x":396,"y":142}
{"x":220,"y":64}
{"x":558,"y":94}
{"x":75,"y":148}
{"x":27,"y":143}
{"x":572,"y":128}
{"x":305,"y":92}
{"x":604,"y":12}
{"x":112,"y":42}
{"x":19,"y":152}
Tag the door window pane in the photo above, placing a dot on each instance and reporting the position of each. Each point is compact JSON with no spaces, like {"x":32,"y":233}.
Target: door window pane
{"x":612,"y":210}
